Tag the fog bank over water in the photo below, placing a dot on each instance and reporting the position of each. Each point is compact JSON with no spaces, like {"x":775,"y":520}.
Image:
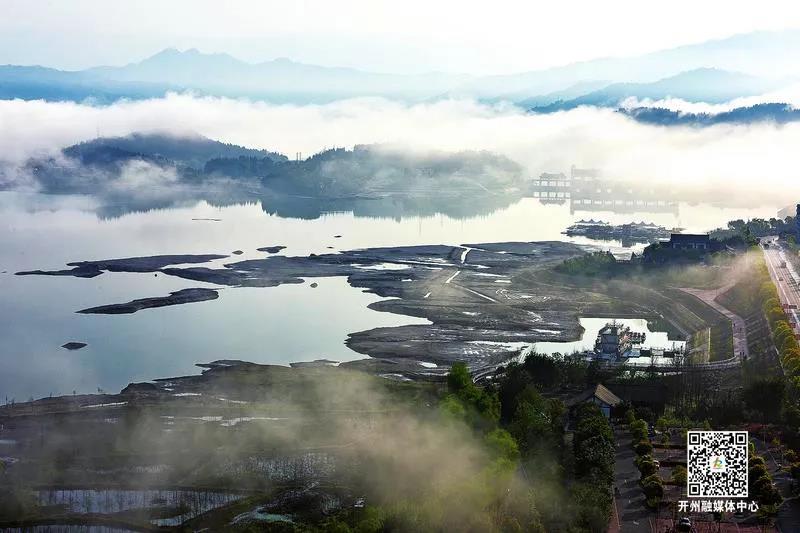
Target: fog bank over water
{"x":742,"y":159}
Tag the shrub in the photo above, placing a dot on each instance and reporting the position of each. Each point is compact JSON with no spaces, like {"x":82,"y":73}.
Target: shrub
{"x":757,"y":471}
{"x":653,"y":486}
{"x":679,"y":475}
{"x":647,"y":466}
{"x":643,"y":447}
{"x":638,"y":429}
{"x":791,"y":456}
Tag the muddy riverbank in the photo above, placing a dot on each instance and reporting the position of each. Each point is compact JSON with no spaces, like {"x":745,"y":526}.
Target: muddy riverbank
{"x":479,"y":312}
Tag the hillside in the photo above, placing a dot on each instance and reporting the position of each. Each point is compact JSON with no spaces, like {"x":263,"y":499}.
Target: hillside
{"x":145,"y":162}
{"x":700,"y":85}
{"x":191,"y":150}
{"x":778,"y":113}
{"x":759,"y":54}
{"x":279,"y":80}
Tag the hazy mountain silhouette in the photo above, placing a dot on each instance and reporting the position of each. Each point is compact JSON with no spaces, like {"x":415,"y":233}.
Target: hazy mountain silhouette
{"x":280,"y":80}
{"x":700,"y":85}
{"x":573,"y":91}
{"x":758,"y":55}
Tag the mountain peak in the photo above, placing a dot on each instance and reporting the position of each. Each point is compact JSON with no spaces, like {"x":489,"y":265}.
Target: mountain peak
{"x":174,"y":54}
{"x":166,"y":52}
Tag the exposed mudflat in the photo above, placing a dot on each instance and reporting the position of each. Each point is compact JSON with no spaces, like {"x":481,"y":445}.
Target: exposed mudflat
{"x":481,"y":305}
{"x":90,"y":269}
{"x":72,"y":345}
{"x":183,"y":296}
{"x":222,"y":385}
{"x":271,"y":249}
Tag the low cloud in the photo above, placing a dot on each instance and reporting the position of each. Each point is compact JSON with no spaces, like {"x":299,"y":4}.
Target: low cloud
{"x":736,"y":158}
{"x":787,"y":95}
{"x":140,"y":177}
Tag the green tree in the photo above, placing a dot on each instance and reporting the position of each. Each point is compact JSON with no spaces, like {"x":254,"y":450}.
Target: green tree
{"x":502,"y":445}
{"x":653,"y":487}
{"x":459,"y":378}
{"x":763,"y":395}
{"x":679,"y":475}
{"x":638,"y":429}
{"x":593,"y":445}
{"x":643,"y":447}
{"x":482,"y":407}
{"x":647,"y":466}
{"x":537,"y":421}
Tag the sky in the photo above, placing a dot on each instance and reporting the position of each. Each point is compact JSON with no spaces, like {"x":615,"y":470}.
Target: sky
{"x":411,"y":36}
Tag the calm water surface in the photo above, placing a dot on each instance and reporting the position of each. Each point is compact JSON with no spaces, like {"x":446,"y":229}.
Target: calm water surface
{"x":591,"y":326}
{"x":267,"y":325}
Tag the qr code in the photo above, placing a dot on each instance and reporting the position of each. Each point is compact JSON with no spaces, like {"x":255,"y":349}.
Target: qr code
{"x":716,"y":464}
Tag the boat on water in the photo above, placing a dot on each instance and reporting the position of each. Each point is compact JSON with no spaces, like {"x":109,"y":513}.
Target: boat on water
{"x":616,"y":341}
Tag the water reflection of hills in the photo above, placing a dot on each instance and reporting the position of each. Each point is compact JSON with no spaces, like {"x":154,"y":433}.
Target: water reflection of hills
{"x":395,"y":206}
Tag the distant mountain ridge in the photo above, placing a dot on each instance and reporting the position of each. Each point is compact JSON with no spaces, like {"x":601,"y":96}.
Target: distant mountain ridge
{"x":754,"y":62}
{"x":761,"y":53}
{"x":279,"y":80}
{"x":699,"y":85}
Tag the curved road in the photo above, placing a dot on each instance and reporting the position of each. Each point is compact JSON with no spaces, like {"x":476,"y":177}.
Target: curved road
{"x":708,"y":296}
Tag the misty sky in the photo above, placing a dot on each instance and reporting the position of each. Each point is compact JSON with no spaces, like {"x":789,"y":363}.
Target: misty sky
{"x":410,"y":36}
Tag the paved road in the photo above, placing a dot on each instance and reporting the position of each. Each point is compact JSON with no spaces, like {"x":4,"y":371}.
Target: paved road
{"x":785,"y":279}
{"x":709,"y":296}
{"x":628,"y":496}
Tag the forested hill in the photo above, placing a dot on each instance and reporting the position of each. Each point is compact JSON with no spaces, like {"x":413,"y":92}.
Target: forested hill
{"x":157,"y":161}
{"x":373,"y":170}
{"x":778,"y":113}
{"x":190,"y":150}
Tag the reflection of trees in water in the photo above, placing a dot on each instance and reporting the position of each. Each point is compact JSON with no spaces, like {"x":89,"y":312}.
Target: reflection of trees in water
{"x":185,"y":504}
{"x":463,"y":205}
{"x":394,"y":206}
{"x":145,"y":172}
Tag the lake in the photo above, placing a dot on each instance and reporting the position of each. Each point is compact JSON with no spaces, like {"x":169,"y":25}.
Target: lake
{"x":265,"y":325}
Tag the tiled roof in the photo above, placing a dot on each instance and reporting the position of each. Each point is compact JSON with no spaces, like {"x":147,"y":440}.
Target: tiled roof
{"x":599,"y":392}
{"x":606,"y":395}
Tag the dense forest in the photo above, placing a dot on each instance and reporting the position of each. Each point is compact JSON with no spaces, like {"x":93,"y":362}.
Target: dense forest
{"x":533,"y":477}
